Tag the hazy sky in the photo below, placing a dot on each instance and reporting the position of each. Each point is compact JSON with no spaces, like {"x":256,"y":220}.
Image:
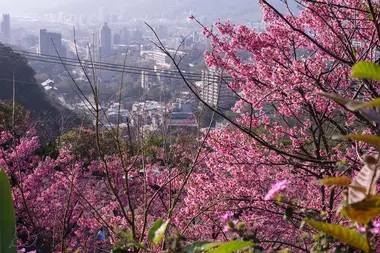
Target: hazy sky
{"x":27,"y":6}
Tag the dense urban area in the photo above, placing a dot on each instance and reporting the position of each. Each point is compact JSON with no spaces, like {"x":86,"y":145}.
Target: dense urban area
{"x":189,"y":126}
{"x":114,"y":48}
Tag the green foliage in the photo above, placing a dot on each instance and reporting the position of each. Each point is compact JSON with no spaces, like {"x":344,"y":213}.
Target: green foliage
{"x":22,"y":122}
{"x":346,"y":235}
{"x":8,"y":238}
{"x":200,"y":246}
{"x":361,"y":204}
{"x":83,"y":142}
{"x":49,"y":149}
{"x":356,"y":107}
{"x":28,"y":92}
{"x":285,"y":251}
{"x":125,"y":242}
{"x":366,"y":70}
{"x":233,"y":246}
{"x":218,"y":247}
{"x":158,"y":93}
{"x":364,"y":211}
{"x":157,"y":231}
{"x":341,"y":181}
{"x":370,"y":139}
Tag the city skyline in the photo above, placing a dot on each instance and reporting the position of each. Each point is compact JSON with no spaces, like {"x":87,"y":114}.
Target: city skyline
{"x":137,"y":9}
{"x":6,"y":28}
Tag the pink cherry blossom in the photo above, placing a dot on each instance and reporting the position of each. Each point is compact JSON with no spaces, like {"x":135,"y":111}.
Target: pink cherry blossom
{"x":226,"y":217}
{"x":276,"y":189}
{"x":285,"y":129}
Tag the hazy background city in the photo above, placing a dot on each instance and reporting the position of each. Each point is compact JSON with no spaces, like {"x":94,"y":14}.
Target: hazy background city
{"x":109,"y":32}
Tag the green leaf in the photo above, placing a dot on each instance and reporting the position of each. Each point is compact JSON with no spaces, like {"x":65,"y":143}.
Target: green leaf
{"x":366,"y":70}
{"x":200,"y":246}
{"x":154,"y":228}
{"x":160,"y":232}
{"x":7,"y":217}
{"x":230,"y":247}
{"x":359,"y":106}
{"x":342,"y":181}
{"x":346,"y":235}
{"x":364,"y":211}
{"x":288,"y":213}
{"x":370,"y":139}
{"x":157,"y":231}
{"x":336,"y":98}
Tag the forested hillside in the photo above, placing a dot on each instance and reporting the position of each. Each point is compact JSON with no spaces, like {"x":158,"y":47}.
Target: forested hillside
{"x":28,"y":92}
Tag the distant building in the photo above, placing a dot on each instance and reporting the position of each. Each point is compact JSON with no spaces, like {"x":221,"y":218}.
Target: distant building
{"x":30,"y":41}
{"x":145,"y":84}
{"x":116,"y":113}
{"x":161,"y":59}
{"x":6,"y":28}
{"x":162,"y":31}
{"x":93,"y":47}
{"x":188,"y":42}
{"x":103,"y":15}
{"x":149,"y":115}
{"x":196,"y":37}
{"x":181,"y":122}
{"x":105,"y":40}
{"x":125,"y":37}
{"x":51,"y":43}
{"x":137,"y":36}
{"x":116,"y":39}
{"x":49,"y":85}
{"x":214,"y":90}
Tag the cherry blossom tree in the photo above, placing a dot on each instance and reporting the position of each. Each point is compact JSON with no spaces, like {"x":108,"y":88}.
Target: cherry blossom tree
{"x":63,"y":202}
{"x":285,"y":125}
{"x":260,"y":169}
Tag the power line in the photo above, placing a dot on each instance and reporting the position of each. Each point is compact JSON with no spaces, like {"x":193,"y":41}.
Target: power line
{"x":117,"y":67}
{"x":120,"y":67}
{"x":96,"y":63}
{"x":74,"y":63}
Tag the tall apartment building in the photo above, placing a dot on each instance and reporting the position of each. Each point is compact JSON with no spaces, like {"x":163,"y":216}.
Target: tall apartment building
{"x":214,"y":90}
{"x":50,"y":43}
{"x":145,"y":80}
{"x":6,"y":28}
{"x":125,"y":36}
{"x":105,"y":40}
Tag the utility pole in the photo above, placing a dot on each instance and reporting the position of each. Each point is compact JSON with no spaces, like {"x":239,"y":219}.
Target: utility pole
{"x":14,"y":105}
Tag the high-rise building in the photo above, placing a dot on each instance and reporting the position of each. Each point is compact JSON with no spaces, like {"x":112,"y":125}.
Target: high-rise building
{"x":137,"y":36}
{"x":214,"y":90}
{"x":61,"y":17}
{"x":196,"y":37}
{"x":144,"y":80}
{"x":93,"y":47}
{"x":116,"y":39}
{"x":125,"y":36}
{"x":6,"y":28}
{"x":103,"y":15}
{"x":162,"y":31}
{"x":51,"y":43}
{"x":105,"y":40}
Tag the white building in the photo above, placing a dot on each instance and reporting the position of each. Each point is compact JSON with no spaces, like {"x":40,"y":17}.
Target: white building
{"x":214,"y":91}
